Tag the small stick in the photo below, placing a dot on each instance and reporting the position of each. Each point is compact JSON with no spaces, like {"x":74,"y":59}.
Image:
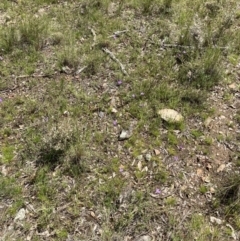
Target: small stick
{"x":176,"y":45}
{"x":188,"y":47}
{"x":80,"y":70}
{"x":94,"y":36}
{"x":33,"y":76}
{"x":115,"y":59}
{"x":117,"y":33}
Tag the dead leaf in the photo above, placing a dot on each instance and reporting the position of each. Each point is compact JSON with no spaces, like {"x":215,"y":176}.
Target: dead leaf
{"x":206,"y":179}
{"x":209,"y":166}
{"x":233,"y":86}
{"x":139,"y":165}
{"x":207,"y":121}
{"x":200,"y":172}
{"x":221,"y":168}
{"x":215,"y":220}
{"x":212,"y":190}
{"x":4,"y":171}
{"x":155,"y":195}
{"x":92,"y":214}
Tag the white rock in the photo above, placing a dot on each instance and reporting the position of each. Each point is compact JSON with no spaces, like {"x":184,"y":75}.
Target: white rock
{"x":170,"y":115}
{"x":207,"y":121}
{"x":124,"y":135}
{"x":20,"y":215}
{"x":148,"y":157}
{"x":144,"y":238}
{"x":66,"y":70}
{"x":113,"y":110}
{"x":66,"y":113}
{"x":140,"y":157}
{"x":101,"y":114}
{"x":215,"y":220}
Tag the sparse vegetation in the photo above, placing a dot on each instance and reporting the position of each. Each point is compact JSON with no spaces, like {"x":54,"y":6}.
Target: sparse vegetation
{"x":74,"y":74}
{"x":229,"y":195}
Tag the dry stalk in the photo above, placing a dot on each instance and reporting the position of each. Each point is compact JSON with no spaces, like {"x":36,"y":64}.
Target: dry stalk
{"x":113,"y":57}
{"x":94,"y":37}
{"x":117,"y":33}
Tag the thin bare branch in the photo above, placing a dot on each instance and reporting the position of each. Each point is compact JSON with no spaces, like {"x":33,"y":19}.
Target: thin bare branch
{"x":113,"y":57}
{"x":187,"y":46}
{"x":33,"y":76}
{"x":80,"y":70}
{"x":117,"y":33}
{"x":94,"y":37}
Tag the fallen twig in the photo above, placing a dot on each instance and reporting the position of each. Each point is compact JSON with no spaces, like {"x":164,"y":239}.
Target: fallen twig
{"x":117,"y":33}
{"x":233,"y":234}
{"x":94,"y":37}
{"x":159,"y":196}
{"x":80,"y":70}
{"x":33,"y":76}
{"x":177,"y":45}
{"x":115,"y":59}
{"x":187,"y":46}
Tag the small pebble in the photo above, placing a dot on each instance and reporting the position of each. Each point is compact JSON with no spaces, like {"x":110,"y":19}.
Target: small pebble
{"x":144,"y":238}
{"x":148,"y":157}
{"x":124,"y":135}
{"x":101,"y":114}
{"x":20,"y":215}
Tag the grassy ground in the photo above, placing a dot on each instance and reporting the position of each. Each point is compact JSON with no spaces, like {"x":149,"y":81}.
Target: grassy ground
{"x":74,"y":74}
